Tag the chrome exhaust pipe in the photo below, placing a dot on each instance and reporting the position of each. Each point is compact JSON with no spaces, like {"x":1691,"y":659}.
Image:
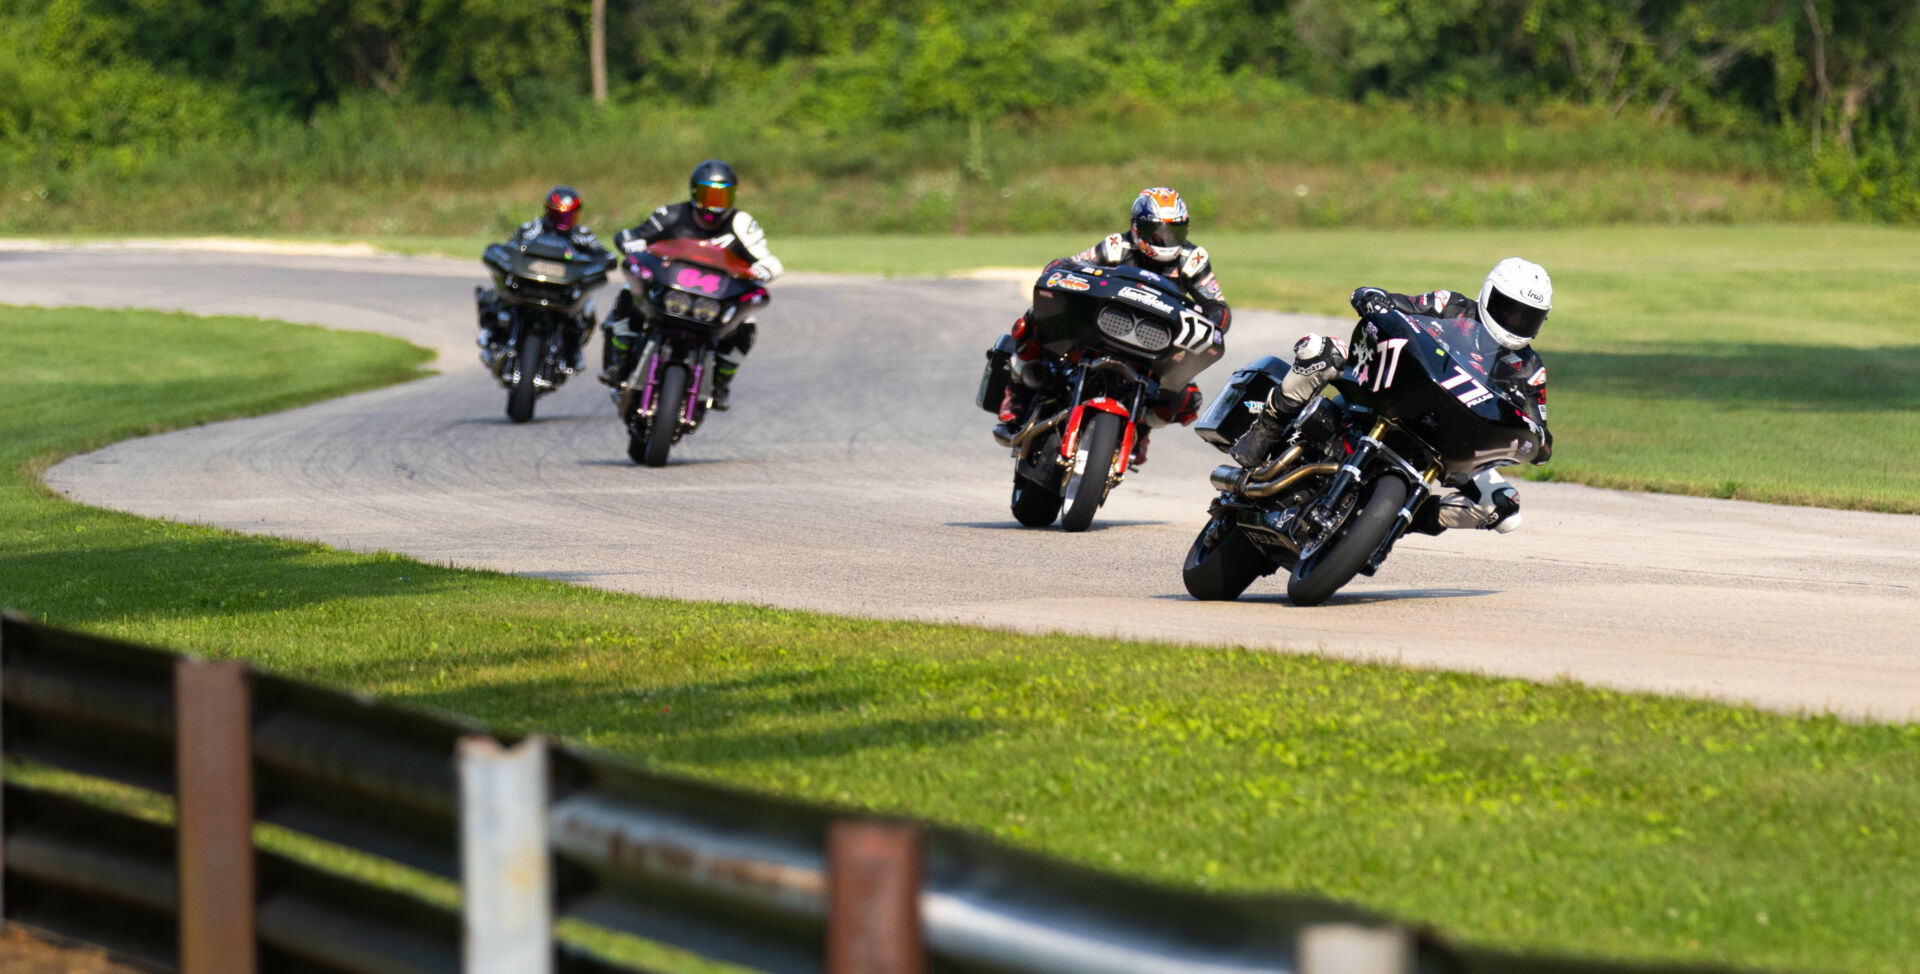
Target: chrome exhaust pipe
{"x":1033,"y":430}
{"x":1228,"y":477}
{"x":1287,"y":482}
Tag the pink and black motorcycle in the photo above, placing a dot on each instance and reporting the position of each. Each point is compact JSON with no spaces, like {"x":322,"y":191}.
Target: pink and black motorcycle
{"x":698,"y":295}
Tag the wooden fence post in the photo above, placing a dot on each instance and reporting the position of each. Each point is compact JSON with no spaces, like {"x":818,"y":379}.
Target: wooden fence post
{"x":874,"y":873}
{"x":213,"y":793}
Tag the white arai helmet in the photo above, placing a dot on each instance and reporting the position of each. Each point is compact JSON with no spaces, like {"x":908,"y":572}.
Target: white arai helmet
{"x":1514,"y":302}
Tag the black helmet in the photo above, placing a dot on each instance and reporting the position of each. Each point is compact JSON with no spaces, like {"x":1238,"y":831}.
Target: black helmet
{"x":563,"y":209}
{"x":712,"y":186}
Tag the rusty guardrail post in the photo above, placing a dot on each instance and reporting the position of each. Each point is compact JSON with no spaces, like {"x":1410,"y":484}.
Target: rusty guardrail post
{"x":506,"y":875}
{"x":1345,"y":948}
{"x":874,"y":874}
{"x":213,"y":792}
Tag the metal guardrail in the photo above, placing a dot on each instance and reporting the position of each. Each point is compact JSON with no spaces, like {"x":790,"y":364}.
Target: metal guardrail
{"x":537,"y":833}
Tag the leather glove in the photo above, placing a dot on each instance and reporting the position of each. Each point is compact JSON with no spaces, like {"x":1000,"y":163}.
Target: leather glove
{"x":1371,"y":301}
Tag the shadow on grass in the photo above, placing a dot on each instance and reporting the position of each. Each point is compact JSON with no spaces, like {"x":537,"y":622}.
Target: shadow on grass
{"x":1783,"y":377}
{"x":786,"y":714}
{"x":186,"y":578}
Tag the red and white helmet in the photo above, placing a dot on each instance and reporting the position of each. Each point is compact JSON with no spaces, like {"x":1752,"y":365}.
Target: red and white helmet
{"x":1514,"y":302}
{"x":1159,"y":219}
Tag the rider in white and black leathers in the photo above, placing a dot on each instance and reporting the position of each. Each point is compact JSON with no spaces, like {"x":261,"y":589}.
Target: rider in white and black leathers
{"x":562,"y":217}
{"x":1155,"y":240}
{"x":1513,"y":304}
{"x":708,"y":215}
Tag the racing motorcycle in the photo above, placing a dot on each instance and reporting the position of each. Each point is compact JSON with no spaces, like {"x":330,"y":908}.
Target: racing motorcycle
{"x":696,"y":295}
{"x":1114,"y":336}
{"x":1413,"y":410}
{"x":542,"y":288}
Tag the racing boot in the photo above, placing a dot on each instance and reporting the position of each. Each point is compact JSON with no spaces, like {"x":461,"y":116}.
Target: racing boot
{"x":724,"y":369}
{"x":620,"y":355}
{"x":1488,"y":502}
{"x":1139,"y":457}
{"x":1265,"y":434}
{"x":1013,"y":410}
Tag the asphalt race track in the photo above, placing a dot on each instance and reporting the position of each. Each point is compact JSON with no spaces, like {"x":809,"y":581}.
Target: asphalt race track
{"x":854,"y":475}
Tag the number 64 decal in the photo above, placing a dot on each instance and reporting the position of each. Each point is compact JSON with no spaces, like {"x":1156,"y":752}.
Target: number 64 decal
{"x":689,"y":277}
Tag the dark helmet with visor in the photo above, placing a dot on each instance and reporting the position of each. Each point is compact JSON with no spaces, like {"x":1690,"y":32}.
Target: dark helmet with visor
{"x":712,"y":186}
{"x":563,"y":209}
{"x":1159,"y":221}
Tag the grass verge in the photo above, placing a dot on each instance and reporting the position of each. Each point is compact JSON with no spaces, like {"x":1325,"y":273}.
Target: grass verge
{"x":1542,"y":817}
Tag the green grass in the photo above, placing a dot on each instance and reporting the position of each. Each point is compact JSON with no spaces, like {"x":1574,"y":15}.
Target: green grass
{"x":1544,"y":817}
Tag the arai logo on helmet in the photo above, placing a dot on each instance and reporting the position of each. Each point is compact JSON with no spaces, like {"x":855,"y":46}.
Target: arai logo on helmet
{"x":1068,"y":282}
{"x":1147,"y":298}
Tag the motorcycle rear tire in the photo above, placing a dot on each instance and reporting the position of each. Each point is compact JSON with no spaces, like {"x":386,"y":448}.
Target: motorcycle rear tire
{"x":1315,"y":579}
{"x":1222,"y":563}
{"x":520,"y":397}
{"x":1033,"y":505}
{"x":1101,"y":439}
{"x":671,"y":399}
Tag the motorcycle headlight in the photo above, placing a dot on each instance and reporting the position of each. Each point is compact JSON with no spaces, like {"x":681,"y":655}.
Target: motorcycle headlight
{"x":1115,"y":322}
{"x":706,"y":309}
{"x":678,"y":302}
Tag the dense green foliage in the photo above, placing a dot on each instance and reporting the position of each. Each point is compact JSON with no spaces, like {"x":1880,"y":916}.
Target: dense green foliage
{"x":1534,"y":816}
{"x":1824,"y":93}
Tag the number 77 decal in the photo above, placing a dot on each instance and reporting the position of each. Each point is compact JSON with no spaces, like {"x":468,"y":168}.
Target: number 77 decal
{"x":1389,"y":362}
{"x":1474,"y":392}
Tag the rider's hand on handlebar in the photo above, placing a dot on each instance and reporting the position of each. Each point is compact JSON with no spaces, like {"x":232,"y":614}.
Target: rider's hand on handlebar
{"x":1371,"y":301}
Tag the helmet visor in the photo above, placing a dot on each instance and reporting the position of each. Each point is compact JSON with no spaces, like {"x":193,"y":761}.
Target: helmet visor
{"x":1159,"y":233}
{"x":1520,"y":319}
{"x":715,"y":198}
{"x":561,"y":221}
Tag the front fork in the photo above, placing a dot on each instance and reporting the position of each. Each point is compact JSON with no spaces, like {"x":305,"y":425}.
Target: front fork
{"x":1320,"y":515}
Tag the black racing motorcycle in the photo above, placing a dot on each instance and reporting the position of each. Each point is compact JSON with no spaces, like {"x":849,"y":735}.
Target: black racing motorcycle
{"x":542,"y":289}
{"x":696,"y":295}
{"x":1414,"y":409}
{"x":1114,"y":337}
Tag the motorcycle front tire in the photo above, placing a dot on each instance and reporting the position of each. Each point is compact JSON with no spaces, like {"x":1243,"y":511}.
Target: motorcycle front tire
{"x":520,"y":397}
{"x":672,"y":398}
{"x":1101,"y":440}
{"x":1315,"y":579}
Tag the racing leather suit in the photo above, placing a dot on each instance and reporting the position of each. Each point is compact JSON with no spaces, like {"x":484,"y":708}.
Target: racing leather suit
{"x":735,"y":230}
{"x":493,"y":327}
{"x":1191,"y":269}
{"x":1488,"y":501}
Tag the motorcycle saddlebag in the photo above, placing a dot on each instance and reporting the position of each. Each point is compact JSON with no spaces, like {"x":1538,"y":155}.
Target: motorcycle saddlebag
{"x":999,"y":371}
{"x":1232,"y":411}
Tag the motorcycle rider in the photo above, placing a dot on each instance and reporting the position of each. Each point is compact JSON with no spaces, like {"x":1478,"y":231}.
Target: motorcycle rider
{"x":562,"y":217}
{"x":708,"y":215}
{"x":1155,"y":240}
{"x":1513,"y":304}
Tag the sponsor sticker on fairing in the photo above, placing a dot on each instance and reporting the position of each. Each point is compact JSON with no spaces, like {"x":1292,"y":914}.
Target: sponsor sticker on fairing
{"x":1068,"y":282}
{"x":1147,"y":298}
